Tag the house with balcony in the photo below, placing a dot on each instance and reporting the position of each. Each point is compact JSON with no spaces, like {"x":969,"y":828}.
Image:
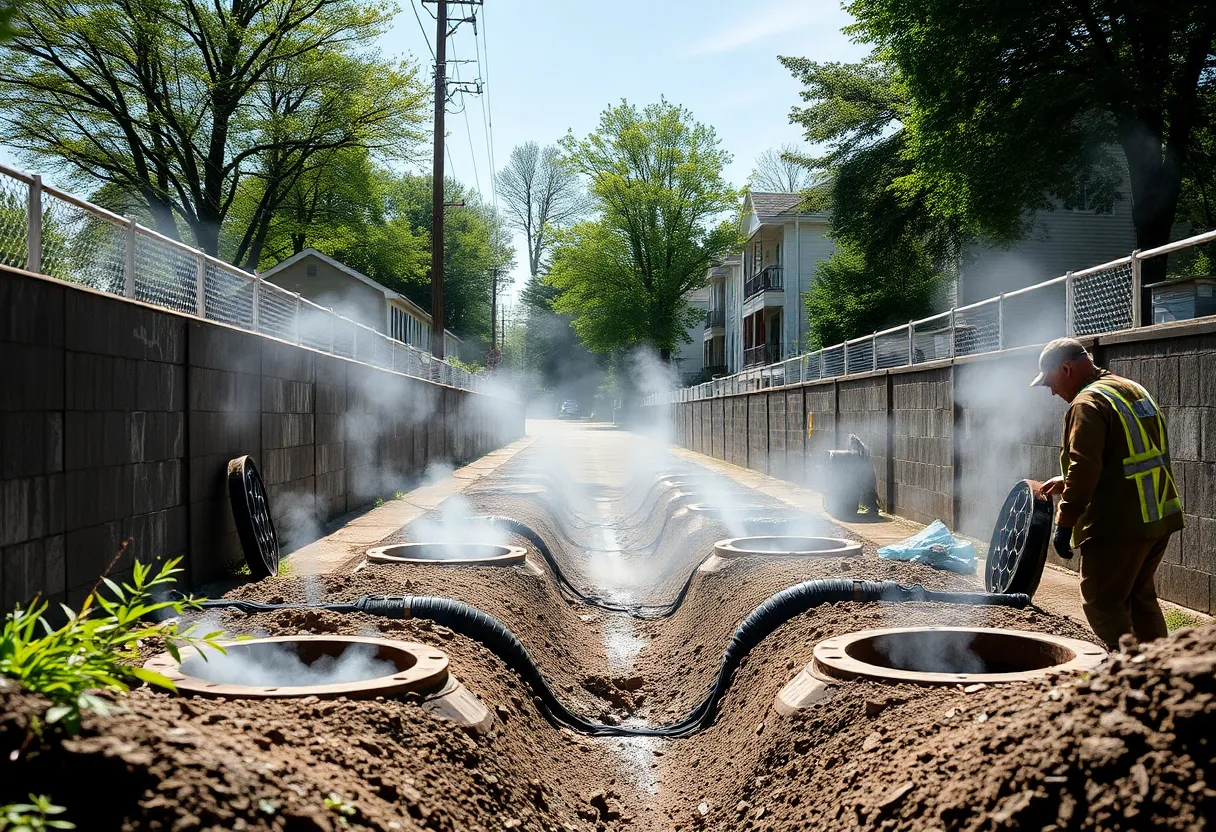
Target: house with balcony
{"x":720,"y":305}
{"x":769,"y":278}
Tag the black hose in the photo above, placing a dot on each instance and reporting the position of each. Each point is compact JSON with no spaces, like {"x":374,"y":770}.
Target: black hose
{"x":775,"y":611}
{"x":641,"y":611}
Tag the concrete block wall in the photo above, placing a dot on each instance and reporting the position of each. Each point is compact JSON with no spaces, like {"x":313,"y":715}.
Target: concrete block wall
{"x":795,"y":435}
{"x":922,"y":445}
{"x":950,"y":438}
{"x":778,"y":464}
{"x":757,"y":432}
{"x":118,"y":419}
{"x":862,"y":410}
{"x":717,"y":415}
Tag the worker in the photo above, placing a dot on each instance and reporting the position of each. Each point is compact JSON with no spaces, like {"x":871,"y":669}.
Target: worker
{"x":1118,"y":500}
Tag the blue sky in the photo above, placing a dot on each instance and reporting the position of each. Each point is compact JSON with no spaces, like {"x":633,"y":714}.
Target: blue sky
{"x":554,"y":66}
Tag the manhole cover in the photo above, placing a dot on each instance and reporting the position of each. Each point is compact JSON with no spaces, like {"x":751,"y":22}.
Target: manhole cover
{"x":1018,"y":548}
{"x":251,"y":512}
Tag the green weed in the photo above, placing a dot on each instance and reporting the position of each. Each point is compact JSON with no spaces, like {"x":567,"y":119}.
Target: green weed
{"x":93,"y":653}
{"x":341,"y":807}
{"x":1176,"y":619}
{"x":32,"y":816}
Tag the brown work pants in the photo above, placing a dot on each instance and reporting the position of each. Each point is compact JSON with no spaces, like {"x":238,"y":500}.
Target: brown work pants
{"x":1117,"y":587}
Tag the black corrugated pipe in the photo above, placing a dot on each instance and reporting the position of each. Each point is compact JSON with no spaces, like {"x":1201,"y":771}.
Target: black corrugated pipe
{"x":775,"y":611}
{"x":642,"y":611}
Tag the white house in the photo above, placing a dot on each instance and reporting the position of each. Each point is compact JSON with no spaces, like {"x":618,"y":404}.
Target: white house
{"x":352,"y":294}
{"x":765,"y":320}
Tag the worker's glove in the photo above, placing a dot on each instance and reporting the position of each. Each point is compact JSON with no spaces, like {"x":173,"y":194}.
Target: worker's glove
{"x":1063,"y":542}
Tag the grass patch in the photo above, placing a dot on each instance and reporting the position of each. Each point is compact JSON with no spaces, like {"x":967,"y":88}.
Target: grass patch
{"x":1176,"y":619}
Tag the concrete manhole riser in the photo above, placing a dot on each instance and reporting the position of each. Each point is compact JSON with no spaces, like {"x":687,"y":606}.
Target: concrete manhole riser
{"x":951,"y":655}
{"x":448,"y":554}
{"x":419,"y":668}
{"x":787,"y":546}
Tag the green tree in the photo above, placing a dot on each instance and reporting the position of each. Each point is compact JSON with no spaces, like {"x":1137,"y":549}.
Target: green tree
{"x":1014,"y":102}
{"x":893,"y":232}
{"x":656,"y":183}
{"x":186,"y":106}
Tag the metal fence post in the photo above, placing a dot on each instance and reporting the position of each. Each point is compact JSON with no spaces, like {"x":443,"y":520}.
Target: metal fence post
{"x":953,"y":335}
{"x":1137,"y":291}
{"x":33,"y":238}
{"x":1070,"y":327}
{"x":257,"y":301}
{"x":1000,"y":321}
{"x":874,"y":350}
{"x":299,"y":317}
{"x":128,"y":270}
{"x":200,"y":284}
{"x":333,"y":325}
{"x":911,"y":343}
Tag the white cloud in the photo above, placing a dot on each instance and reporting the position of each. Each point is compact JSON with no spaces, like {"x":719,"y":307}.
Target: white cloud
{"x":764,"y":21}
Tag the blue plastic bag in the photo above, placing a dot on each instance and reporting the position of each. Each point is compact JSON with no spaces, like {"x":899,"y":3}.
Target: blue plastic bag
{"x":935,"y":546}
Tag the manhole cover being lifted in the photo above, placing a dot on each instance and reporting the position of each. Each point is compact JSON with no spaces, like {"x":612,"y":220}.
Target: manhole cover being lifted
{"x":951,"y":655}
{"x":1018,"y":549}
{"x":445,"y":554}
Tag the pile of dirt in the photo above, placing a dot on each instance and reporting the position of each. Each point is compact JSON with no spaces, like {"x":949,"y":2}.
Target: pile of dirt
{"x":224,"y":764}
{"x":1131,"y":747}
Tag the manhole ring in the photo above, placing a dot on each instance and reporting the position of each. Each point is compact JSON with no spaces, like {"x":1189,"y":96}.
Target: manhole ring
{"x":952,"y":655}
{"x":251,"y":514}
{"x":448,"y":554}
{"x":787,"y":546}
{"x":1018,"y":549}
{"x":420,"y":669}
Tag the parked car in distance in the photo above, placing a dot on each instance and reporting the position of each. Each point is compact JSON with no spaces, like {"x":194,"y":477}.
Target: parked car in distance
{"x":569,"y":410}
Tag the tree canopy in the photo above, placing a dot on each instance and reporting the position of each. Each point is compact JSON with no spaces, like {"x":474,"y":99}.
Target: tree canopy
{"x":189,"y":108}
{"x":1015,"y":103}
{"x":658,"y":192}
{"x":539,"y":195}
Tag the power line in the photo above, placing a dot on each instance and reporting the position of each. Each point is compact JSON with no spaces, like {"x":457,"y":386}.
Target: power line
{"x":468,"y":130}
{"x":422,"y":29}
{"x":487,"y":114}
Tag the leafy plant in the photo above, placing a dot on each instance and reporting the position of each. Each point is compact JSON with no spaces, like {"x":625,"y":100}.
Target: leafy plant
{"x":32,"y":816}
{"x":92,"y":653}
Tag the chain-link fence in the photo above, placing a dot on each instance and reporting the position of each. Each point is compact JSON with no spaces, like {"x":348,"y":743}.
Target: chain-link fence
{"x":1176,"y":281}
{"x":46,"y":230}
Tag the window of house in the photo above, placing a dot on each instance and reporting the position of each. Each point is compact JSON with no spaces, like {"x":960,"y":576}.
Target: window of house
{"x":777,"y":254}
{"x":311,"y":270}
{"x":757,"y":257}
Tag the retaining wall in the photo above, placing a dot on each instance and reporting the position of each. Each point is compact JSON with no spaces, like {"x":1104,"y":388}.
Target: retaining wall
{"x":949,"y":438}
{"x":118,"y":419}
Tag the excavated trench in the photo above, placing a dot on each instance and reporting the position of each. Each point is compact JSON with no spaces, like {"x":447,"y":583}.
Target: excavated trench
{"x":595,"y":568}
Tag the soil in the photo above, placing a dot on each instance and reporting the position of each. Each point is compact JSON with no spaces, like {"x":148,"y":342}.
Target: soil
{"x":1131,"y":747}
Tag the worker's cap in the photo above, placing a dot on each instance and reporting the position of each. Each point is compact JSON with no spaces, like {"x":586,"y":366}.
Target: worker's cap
{"x":1059,"y":351}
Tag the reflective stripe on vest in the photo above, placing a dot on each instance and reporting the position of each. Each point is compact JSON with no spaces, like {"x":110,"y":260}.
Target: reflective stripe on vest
{"x":1148,"y":466}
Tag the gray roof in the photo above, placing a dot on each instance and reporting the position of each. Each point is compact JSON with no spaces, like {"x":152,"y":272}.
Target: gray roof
{"x":771,"y":204}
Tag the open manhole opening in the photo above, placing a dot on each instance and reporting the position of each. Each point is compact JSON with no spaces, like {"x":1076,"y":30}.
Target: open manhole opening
{"x":322,"y":666}
{"x":787,"y":546}
{"x":451,"y":554}
{"x":952,"y":655}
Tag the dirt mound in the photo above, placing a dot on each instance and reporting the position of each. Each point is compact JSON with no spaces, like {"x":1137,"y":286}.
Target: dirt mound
{"x":216,"y":764}
{"x":1130,"y":748}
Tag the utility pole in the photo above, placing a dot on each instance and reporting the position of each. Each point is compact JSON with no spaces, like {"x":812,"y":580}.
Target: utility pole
{"x":494,"y":308}
{"x":441,"y":95}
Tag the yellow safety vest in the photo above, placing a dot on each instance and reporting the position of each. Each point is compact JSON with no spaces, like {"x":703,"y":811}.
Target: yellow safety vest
{"x":1148,"y":466}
